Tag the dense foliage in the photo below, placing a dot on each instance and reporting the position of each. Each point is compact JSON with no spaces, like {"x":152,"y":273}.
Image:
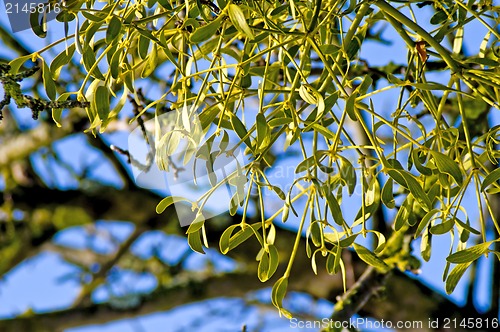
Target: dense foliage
{"x":289,"y":75}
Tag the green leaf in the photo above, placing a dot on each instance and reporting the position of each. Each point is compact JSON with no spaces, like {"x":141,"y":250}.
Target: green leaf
{"x":425,"y":221}
{"x":312,"y":96}
{"x":490,"y":179}
{"x":278,"y":122}
{"x":353,"y":46}
{"x":350,"y":107}
{"x":305,"y":164}
{"x":408,"y":181}
{"x":197,"y":224}
{"x":263,"y":133}
{"x":314,"y":266}
{"x":426,"y":245}
{"x":418,"y":164}
{"x":206,"y":31}
{"x":348,"y":174}
{"x":167,"y":201}
{"x":348,"y":241}
{"x":446,"y":165}
{"x":467,"y":227}
{"x":443,"y":228}
{"x":101,"y":102}
{"x":273,"y":260}
{"x":387,"y":194}
{"x":243,"y":235}
{"x":89,"y":60}
{"x":203,"y":10}
{"x":194,"y":241}
{"x":330,"y":263}
{"x":57,"y":112}
{"x":143,"y":46}
{"x":278,"y":294}
{"x":370,"y":258}
{"x":439,"y":17}
{"x":240,"y":129}
{"x":268,"y":263}
{"x":334,"y":207}
{"x":152,"y":62}
{"x":65,"y":16}
{"x":17,"y":63}
{"x":362,"y":89}
{"x":315,"y":232}
{"x":470,"y":254}
{"x":233,"y":204}
{"x":38,"y":24}
{"x":212,"y":176}
{"x":323,"y":131}
{"x":263,"y":268}
{"x":285,"y":213}
{"x":99,"y":17}
{"x":458,"y":40}
{"x":329,"y":49}
{"x":394,"y":80}
{"x":381,"y":242}
{"x":238,"y":19}
{"x":279,"y":192}
{"x":62,"y":59}
{"x":455,"y":276}
{"x":404,"y":212}
{"x":48,"y":83}
{"x":165,"y":4}
{"x":114,"y":28}
{"x":114,"y":65}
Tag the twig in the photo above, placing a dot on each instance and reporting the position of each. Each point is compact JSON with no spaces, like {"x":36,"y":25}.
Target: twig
{"x":369,"y":284}
{"x":99,"y":277}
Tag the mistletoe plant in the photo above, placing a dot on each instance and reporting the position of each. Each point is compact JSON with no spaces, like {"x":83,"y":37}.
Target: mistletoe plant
{"x":291,"y":74}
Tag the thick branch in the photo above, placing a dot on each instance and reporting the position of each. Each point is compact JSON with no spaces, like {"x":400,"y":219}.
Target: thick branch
{"x":24,"y":144}
{"x":202,"y":288}
{"x":356,"y":298}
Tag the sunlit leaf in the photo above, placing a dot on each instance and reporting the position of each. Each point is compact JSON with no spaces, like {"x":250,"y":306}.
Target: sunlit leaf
{"x":239,"y":20}
{"x":454,"y":277}
{"x":470,"y":254}
{"x":370,"y":258}
{"x":167,"y":201}
{"x":446,"y":165}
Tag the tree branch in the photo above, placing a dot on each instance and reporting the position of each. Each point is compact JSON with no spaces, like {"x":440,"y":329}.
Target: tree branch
{"x":369,"y":284}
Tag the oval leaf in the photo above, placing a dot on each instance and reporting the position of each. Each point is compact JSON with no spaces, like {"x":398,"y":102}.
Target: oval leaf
{"x":167,"y":201}
{"x":237,"y":16}
{"x":470,"y":254}
{"x":455,"y":276}
{"x":370,"y":258}
{"x":446,"y":165}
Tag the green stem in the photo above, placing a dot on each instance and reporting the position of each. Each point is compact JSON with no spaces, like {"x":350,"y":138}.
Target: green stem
{"x":363,"y":9}
{"x":314,"y":20}
{"x":468,"y":139}
{"x":400,"y":30}
{"x":298,"y":238}
{"x":401,"y":18}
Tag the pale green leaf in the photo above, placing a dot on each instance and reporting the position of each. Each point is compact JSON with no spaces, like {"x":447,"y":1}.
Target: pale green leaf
{"x":491,"y":178}
{"x":167,"y":201}
{"x":470,"y":254}
{"x":370,"y":258}
{"x":238,"y":19}
{"x":446,"y":165}
{"x":455,"y":276}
